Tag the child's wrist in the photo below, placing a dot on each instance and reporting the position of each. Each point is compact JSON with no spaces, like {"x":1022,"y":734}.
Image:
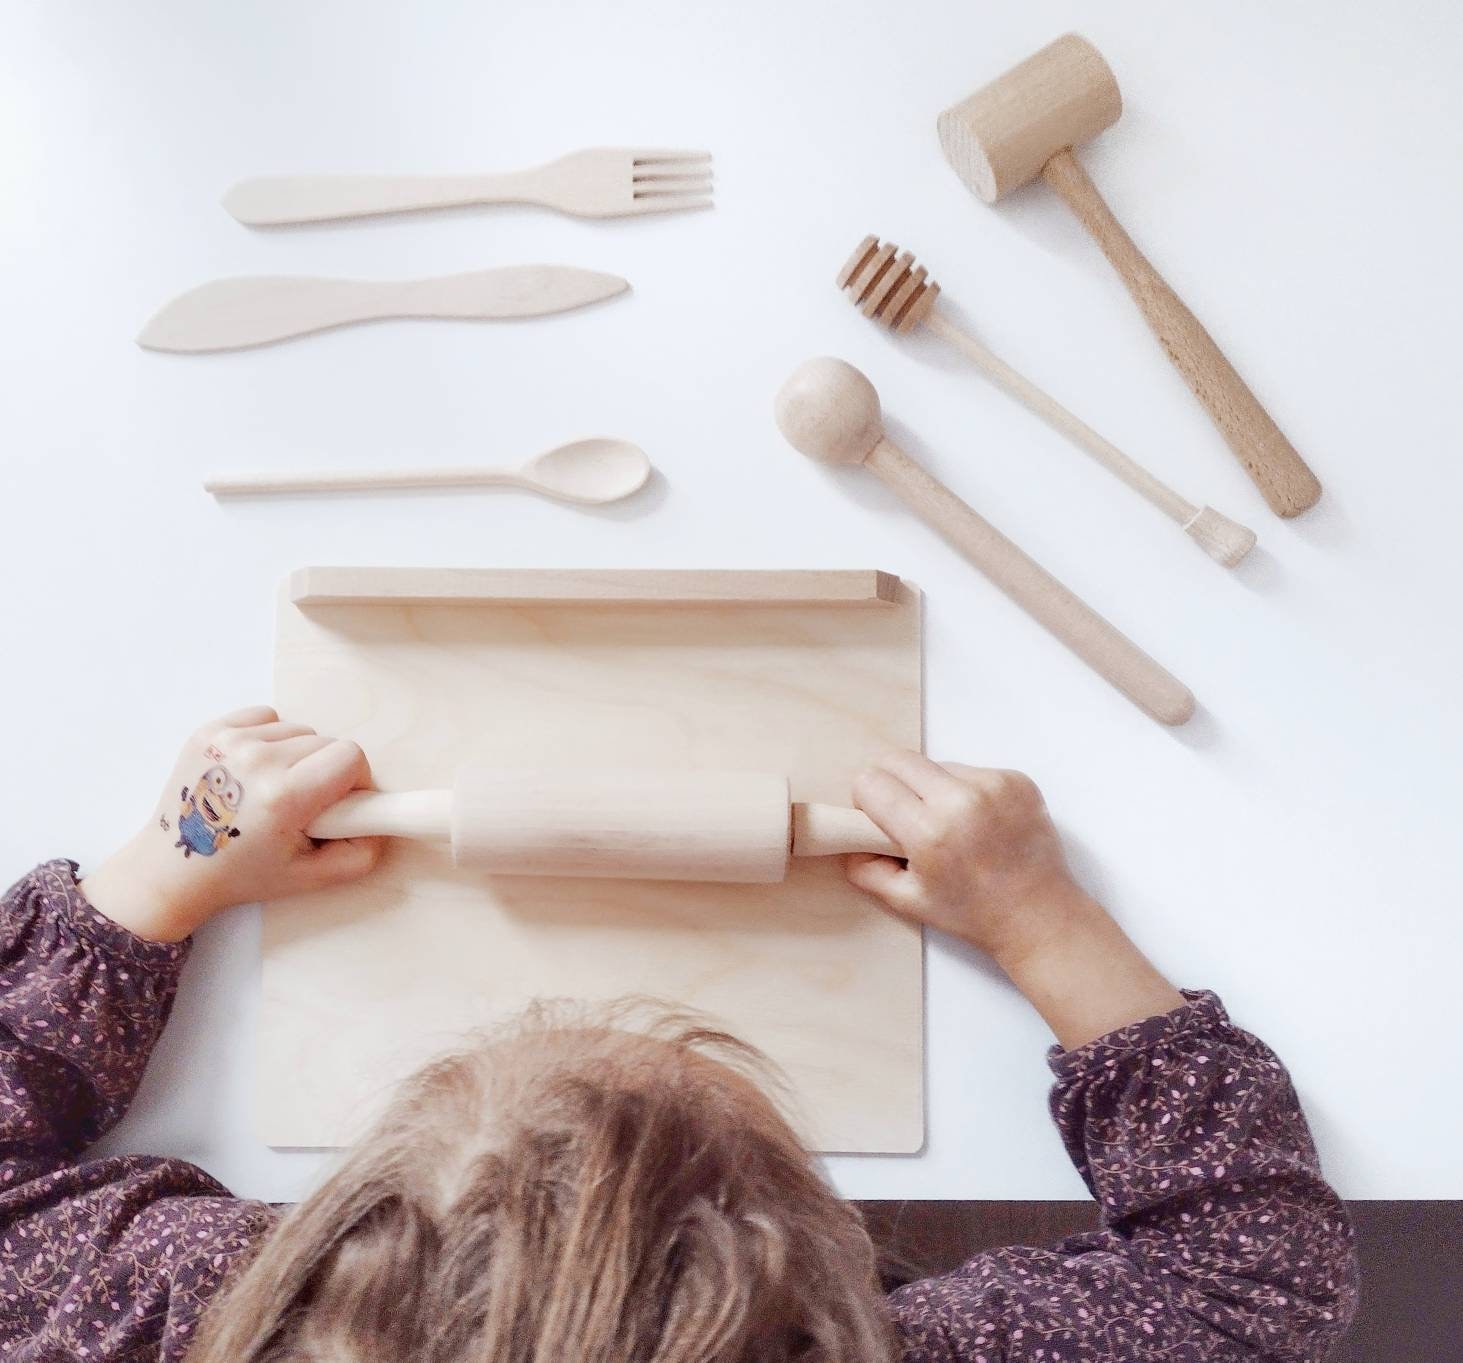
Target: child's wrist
{"x":1051,"y":918}
{"x":1085,"y":976}
{"x":134,"y":892}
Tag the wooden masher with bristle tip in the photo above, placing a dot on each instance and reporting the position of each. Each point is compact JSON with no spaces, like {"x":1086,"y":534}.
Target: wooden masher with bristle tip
{"x":888,"y":286}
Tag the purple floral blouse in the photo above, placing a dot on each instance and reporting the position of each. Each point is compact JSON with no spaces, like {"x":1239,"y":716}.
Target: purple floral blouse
{"x":1221,"y":1240}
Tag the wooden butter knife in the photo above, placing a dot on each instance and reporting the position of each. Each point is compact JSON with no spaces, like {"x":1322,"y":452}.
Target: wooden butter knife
{"x":249,"y":310}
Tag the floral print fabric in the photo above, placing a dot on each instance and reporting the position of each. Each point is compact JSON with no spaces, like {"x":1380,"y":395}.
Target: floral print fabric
{"x":1220,"y":1238}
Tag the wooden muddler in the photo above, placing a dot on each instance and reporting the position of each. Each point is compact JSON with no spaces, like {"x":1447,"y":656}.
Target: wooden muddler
{"x":733,"y":826}
{"x":830,"y":411}
{"x":1022,"y":126}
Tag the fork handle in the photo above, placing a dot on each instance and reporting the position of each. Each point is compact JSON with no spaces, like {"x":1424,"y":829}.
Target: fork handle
{"x":275,"y":200}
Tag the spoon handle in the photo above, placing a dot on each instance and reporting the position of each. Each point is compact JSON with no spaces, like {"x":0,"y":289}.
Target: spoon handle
{"x":263,"y":484}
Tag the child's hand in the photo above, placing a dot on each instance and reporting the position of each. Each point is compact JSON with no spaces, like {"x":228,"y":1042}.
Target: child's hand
{"x":984,"y":862}
{"x":230,"y":827}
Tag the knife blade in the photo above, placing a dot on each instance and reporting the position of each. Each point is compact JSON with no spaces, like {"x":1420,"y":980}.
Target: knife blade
{"x":251,"y":310}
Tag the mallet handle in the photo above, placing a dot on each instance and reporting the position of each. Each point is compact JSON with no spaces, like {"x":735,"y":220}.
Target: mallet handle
{"x":1102,"y":647}
{"x":1282,"y":476}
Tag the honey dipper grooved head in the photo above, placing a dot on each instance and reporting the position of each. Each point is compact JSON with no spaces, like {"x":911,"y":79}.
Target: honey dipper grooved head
{"x":887,"y":286}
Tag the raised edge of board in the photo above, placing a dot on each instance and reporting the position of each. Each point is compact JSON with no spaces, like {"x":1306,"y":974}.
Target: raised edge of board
{"x":335,"y":586}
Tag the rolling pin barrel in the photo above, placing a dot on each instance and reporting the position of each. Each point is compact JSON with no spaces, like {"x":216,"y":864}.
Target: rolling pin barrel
{"x":658,"y":825}
{"x":736,"y":827}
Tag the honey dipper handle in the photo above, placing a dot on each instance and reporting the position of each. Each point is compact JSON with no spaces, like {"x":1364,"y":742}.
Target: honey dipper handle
{"x":1224,"y":540}
{"x":1102,"y":647}
{"x":1042,"y":404}
{"x":1282,"y":476}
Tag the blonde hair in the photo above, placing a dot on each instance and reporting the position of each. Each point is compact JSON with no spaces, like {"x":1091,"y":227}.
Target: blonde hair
{"x":569,"y":1191}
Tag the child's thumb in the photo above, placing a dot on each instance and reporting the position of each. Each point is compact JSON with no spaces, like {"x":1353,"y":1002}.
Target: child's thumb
{"x":336,"y":862}
{"x":886,"y":878}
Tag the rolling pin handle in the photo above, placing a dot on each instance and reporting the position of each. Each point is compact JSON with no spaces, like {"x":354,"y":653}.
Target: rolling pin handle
{"x":422,"y":814}
{"x":830,"y":830}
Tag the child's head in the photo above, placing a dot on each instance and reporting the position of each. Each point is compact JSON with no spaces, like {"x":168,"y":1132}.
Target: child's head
{"x":569,"y":1190}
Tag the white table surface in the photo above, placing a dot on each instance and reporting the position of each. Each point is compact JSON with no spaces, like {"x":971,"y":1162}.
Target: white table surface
{"x":1293,"y":170}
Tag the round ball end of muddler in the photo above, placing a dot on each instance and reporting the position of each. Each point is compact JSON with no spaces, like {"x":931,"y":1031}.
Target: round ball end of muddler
{"x":829,"y":411}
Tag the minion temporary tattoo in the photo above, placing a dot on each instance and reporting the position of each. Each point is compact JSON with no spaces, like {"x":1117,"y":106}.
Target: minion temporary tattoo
{"x":205,"y":821}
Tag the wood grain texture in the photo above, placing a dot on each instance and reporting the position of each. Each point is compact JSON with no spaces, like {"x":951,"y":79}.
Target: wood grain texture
{"x":363,"y":983}
{"x":999,"y":138}
{"x":329,"y":586}
{"x":1284,"y":479}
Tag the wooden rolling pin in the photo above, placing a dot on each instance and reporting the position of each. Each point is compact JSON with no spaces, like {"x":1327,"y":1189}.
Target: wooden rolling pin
{"x":733,"y":826}
{"x":830,"y":411}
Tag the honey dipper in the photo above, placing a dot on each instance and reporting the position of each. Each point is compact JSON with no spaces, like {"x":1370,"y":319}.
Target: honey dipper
{"x":888,"y":286}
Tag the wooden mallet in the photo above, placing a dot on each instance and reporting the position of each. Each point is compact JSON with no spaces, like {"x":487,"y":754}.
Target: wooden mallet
{"x":886,"y":285}
{"x":829,"y":411}
{"x":734,"y":826}
{"x":1024,"y":125}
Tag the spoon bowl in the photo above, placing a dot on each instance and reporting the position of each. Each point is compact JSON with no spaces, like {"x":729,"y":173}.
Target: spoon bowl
{"x":588,"y":472}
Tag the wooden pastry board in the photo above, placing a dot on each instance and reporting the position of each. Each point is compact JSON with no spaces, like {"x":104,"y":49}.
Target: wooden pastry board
{"x":808,"y":673}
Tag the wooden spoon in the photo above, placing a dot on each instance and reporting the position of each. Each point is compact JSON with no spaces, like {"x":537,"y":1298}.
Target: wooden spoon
{"x":586,"y":472}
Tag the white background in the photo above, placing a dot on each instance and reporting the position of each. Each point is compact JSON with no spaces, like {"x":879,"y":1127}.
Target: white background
{"x":1292,"y":168}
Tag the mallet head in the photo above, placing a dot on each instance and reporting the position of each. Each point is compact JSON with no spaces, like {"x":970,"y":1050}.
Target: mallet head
{"x":1001,"y":137}
{"x":829,"y":411}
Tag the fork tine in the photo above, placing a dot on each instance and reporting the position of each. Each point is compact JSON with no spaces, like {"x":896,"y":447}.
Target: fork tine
{"x":646,"y":156}
{"x":681,"y":182}
{"x":691,"y":192}
{"x":672,"y":184}
{"x":672,"y":170}
{"x":666,"y":203}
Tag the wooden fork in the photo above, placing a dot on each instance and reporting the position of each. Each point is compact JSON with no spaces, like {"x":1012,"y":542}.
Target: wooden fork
{"x":602,"y":182}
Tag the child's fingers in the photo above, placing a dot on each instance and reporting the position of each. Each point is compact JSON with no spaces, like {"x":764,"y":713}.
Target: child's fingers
{"x":245,"y":718}
{"x":925,"y":777}
{"x":328,"y":775}
{"x":335,"y":863}
{"x":289,"y":751}
{"x":277,"y":731}
{"x":886,"y":878}
{"x":890,"y":803}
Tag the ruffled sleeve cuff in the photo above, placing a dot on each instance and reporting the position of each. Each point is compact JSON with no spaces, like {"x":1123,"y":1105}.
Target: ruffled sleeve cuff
{"x":61,"y":900}
{"x":1202,"y":1014}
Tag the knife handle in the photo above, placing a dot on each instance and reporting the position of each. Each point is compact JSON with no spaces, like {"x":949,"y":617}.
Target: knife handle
{"x":275,"y":200}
